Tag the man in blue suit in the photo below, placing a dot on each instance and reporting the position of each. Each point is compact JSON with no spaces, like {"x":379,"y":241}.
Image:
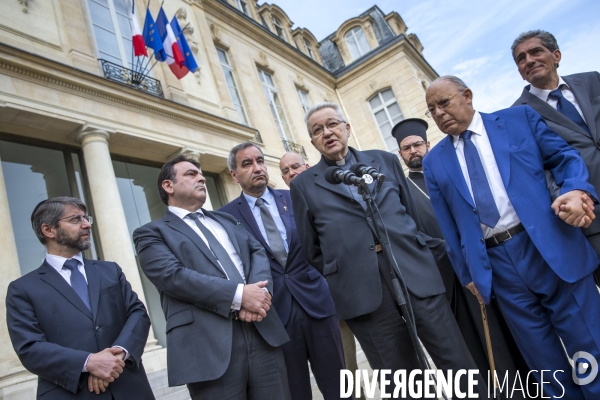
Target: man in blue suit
{"x":506,"y":237}
{"x":301,"y":296}
{"x":75,"y":322}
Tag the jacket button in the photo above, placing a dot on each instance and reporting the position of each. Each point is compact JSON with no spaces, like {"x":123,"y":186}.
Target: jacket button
{"x":272,"y":258}
{"x":223,"y":276}
{"x":482,"y":240}
{"x":98,"y":329}
{"x":475,"y":210}
{"x":368,"y":219}
{"x":372,"y":247}
{"x":286,"y":276}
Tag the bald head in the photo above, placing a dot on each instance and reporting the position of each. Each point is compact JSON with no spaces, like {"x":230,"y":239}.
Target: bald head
{"x":291,"y":165}
{"x":450,"y":103}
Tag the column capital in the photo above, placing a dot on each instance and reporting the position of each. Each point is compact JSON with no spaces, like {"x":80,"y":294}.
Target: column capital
{"x":188,"y":152}
{"x":99,"y":132}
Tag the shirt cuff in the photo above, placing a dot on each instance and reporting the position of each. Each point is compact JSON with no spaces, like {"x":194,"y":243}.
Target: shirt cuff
{"x":237,"y":298}
{"x":125,"y":350}
{"x":85,"y":363}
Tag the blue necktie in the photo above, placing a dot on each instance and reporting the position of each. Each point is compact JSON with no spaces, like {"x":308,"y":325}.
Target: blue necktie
{"x":482,"y":194}
{"x":273,"y":235}
{"x":566,"y":108}
{"x":78,"y":282}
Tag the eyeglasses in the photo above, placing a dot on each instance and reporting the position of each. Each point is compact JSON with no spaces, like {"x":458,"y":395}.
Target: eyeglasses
{"x":416,"y":145}
{"x":442,"y":104}
{"x":294,"y":166}
{"x":78,"y":219}
{"x":331,"y":125}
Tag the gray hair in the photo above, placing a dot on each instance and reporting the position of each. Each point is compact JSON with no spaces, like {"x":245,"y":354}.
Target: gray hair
{"x":231,"y":163}
{"x":50,"y":211}
{"x":317,"y":107}
{"x":548,"y":40}
{"x":459,"y":83}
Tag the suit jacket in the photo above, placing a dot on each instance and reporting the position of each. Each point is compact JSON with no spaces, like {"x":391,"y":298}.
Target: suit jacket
{"x":586,"y":88}
{"x":338,"y":237}
{"x":196,"y":295}
{"x":523,"y":147}
{"x":297,"y":279}
{"x":53,"y":332}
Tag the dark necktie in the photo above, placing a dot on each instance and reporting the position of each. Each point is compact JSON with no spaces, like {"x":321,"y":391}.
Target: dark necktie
{"x":218,"y":251}
{"x":273,"y":236}
{"x":484,"y":200}
{"x":78,"y":282}
{"x":567,"y":108}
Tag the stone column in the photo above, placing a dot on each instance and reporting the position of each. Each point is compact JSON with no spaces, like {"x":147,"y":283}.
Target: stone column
{"x":10,"y":366}
{"x":108,"y":209}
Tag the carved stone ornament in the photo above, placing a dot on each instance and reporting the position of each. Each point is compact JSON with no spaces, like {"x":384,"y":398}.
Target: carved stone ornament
{"x":24,"y":3}
{"x":181,"y":13}
{"x":188,"y":29}
{"x":263,"y":58}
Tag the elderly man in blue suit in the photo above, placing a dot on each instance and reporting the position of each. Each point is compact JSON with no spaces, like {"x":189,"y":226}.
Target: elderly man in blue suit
{"x":506,"y":237}
{"x":301,"y":296}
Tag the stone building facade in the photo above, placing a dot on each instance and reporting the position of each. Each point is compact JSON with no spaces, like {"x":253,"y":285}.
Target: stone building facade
{"x":71,"y":123}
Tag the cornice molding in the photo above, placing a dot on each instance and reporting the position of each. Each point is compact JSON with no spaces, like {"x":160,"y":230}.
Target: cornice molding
{"x":35,"y":68}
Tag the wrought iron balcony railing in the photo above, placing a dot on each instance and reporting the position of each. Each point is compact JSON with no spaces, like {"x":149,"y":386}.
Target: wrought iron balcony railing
{"x":296,"y":148}
{"x":137,"y":80}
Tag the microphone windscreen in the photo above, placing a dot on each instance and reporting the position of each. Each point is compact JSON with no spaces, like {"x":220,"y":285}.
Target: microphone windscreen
{"x":331,"y":175}
{"x":356,"y":169}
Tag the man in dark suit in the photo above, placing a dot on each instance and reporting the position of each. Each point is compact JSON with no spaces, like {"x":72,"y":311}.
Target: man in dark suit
{"x":413,"y":146}
{"x":338,"y":237}
{"x":569,"y":104}
{"x":488,"y":189}
{"x":301,"y":296}
{"x":74,"y":322}
{"x":215,"y":285}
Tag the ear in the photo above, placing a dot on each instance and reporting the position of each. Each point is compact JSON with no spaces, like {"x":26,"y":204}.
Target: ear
{"x":349,"y":128}
{"x":557,"y":57}
{"x":468,"y":94}
{"x":48,"y":231}
{"x":428,"y":145}
{"x":167,"y":186}
{"x":234,"y":176}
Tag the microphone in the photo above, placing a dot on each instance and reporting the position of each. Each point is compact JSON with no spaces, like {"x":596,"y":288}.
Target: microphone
{"x":336,"y":175}
{"x":362,"y":170}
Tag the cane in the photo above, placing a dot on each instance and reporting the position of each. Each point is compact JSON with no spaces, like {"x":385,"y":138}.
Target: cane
{"x":488,"y":342}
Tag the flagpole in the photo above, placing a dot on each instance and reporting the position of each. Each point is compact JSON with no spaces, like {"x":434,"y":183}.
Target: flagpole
{"x":143,"y":67}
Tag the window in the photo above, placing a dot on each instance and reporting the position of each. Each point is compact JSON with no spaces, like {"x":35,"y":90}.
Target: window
{"x":233,"y":90}
{"x":387,"y":114}
{"x":304,"y":100}
{"x":357,"y":42}
{"x":112,"y":30}
{"x":243,"y":7}
{"x":278,"y":28}
{"x":309,"y":50}
{"x":275,"y":104}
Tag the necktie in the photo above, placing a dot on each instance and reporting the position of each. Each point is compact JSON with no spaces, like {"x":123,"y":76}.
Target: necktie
{"x":273,"y":236}
{"x":218,"y":251}
{"x":482,"y":194}
{"x":78,"y":282}
{"x":567,"y":108}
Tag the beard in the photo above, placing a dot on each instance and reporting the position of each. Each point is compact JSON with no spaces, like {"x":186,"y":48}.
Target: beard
{"x":73,"y":243}
{"x":416,"y":162}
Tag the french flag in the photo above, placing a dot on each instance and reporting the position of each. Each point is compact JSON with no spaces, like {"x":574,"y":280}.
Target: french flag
{"x":190,"y":63}
{"x":139,"y":47}
{"x":175,"y":57}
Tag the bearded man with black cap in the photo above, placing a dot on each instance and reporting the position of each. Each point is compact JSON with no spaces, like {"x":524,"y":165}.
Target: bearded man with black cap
{"x":413,"y":145}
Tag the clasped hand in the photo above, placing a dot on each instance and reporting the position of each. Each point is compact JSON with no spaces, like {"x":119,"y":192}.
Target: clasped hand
{"x":256,"y":301}
{"x":576,"y":208}
{"x":104,"y":367}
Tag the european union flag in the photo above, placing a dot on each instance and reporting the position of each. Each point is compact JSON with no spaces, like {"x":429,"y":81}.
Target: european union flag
{"x":152,"y":37}
{"x":190,"y":62}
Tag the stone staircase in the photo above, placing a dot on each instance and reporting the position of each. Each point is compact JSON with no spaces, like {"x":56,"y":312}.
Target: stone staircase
{"x":161,"y":389}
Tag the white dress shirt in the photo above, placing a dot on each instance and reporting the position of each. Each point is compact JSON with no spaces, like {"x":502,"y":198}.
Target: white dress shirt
{"x":508,"y":216}
{"x":221,"y":235}
{"x":542,"y":94}
{"x":57,"y":263}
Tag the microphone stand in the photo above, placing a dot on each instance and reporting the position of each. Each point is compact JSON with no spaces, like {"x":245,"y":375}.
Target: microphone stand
{"x":400,"y":289}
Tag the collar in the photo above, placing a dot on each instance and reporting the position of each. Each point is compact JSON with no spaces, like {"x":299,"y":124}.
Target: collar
{"x":542,"y":94}
{"x":57,"y":262}
{"x":267,"y":197}
{"x":476,"y":126}
{"x":348,"y":159}
{"x":182,"y":213}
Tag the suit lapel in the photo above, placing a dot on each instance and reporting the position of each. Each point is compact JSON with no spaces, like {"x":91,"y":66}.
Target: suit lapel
{"x":583,"y":99}
{"x":496,"y":131}
{"x":319,"y":171}
{"x":94,"y":279}
{"x":228,"y":228}
{"x":284,"y":213}
{"x":54,"y":279}
{"x":246,"y":213}
{"x":176,"y":223}
{"x":550,"y":113}
{"x":450,"y":161}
